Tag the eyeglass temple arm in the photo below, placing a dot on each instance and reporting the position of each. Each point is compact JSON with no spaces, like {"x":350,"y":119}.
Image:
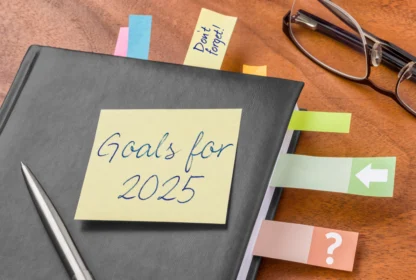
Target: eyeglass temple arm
{"x":317,"y":24}
{"x":393,"y":57}
{"x":370,"y":38}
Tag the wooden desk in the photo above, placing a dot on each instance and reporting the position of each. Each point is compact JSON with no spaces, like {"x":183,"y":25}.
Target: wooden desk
{"x":387,"y":227}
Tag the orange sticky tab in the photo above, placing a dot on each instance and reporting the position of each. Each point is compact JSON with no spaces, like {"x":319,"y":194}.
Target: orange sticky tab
{"x":255,"y":70}
{"x":333,"y":248}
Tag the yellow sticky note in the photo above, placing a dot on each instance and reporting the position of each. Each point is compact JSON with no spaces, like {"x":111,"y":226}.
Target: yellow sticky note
{"x":255,"y":70}
{"x":210,"y":40}
{"x":161,"y":166}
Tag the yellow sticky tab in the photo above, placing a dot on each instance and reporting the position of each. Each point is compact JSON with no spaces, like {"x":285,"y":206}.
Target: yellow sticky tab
{"x":161,"y":166}
{"x":255,"y":70}
{"x":210,"y":40}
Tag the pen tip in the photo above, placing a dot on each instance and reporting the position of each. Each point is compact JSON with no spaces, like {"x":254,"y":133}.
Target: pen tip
{"x":24,"y":168}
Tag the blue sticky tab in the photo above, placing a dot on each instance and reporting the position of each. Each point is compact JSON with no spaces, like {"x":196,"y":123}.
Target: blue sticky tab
{"x":140,"y":28}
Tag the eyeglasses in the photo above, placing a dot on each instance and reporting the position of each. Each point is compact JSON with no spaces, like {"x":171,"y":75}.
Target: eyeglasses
{"x":333,"y":39}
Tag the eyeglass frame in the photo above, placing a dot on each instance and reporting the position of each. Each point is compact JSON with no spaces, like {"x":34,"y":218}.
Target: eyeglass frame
{"x":381,"y":50}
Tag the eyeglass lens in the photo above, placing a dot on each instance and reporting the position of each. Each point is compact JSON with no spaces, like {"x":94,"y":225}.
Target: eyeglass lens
{"x":406,"y":89}
{"x":339,"y":46}
{"x":323,"y":43}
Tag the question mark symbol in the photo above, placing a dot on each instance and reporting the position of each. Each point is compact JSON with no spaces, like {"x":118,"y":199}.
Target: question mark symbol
{"x":331,"y":249}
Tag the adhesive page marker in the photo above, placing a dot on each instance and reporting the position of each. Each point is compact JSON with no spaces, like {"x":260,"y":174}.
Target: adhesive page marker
{"x":140,"y":28}
{"x":360,"y":176}
{"x":255,"y":70}
{"x":320,"y":121}
{"x":210,"y":40}
{"x":122,"y":41}
{"x":307,"y":244}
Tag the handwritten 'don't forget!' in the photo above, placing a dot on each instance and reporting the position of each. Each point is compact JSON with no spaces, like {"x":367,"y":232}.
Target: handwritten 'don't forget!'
{"x":161,"y":165}
{"x":210,"y":40}
{"x":204,"y":46}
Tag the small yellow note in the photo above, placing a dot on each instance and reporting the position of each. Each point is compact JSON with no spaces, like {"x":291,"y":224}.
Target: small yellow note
{"x":255,"y":70}
{"x":161,"y":166}
{"x":210,"y":40}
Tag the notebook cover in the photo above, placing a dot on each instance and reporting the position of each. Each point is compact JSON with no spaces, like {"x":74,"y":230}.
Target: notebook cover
{"x":48,"y":120}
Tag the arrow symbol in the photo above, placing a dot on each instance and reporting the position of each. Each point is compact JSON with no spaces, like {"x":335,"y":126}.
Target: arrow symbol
{"x":368,"y":175}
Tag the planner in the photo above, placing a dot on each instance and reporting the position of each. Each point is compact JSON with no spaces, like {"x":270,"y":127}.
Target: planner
{"x":49,"y":119}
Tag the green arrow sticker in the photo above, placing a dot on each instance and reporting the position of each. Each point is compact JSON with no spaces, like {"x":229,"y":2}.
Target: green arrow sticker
{"x":372,"y":176}
{"x":361,"y":176}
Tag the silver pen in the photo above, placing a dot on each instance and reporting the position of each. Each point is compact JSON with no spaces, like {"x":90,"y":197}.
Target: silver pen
{"x":57,"y":231}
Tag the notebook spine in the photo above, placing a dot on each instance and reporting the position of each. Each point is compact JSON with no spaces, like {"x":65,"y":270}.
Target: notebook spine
{"x":18,"y":83}
{"x":278,"y":192}
{"x":271,"y":213}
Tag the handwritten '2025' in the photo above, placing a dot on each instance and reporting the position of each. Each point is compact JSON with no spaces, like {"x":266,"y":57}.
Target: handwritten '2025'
{"x":112,"y":148}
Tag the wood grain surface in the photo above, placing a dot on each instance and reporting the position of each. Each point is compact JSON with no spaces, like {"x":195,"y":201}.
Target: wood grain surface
{"x":387,"y":226}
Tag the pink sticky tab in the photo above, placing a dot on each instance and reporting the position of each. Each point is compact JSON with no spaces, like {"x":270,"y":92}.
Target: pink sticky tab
{"x":333,"y":248}
{"x":122,"y":42}
{"x":284,"y":241}
{"x":307,"y":244}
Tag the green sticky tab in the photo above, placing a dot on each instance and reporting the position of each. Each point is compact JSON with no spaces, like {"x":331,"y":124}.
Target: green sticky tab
{"x":320,"y":121}
{"x":372,"y":176}
{"x":312,"y":173}
{"x":361,"y":176}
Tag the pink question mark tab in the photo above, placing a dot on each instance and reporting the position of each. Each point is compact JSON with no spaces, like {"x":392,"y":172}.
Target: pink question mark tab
{"x":122,"y":42}
{"x":307,"y":244}
{"x":333,"y":248}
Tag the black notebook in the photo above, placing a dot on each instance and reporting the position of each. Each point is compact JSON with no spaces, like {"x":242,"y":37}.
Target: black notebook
{"x":48,"y":120}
